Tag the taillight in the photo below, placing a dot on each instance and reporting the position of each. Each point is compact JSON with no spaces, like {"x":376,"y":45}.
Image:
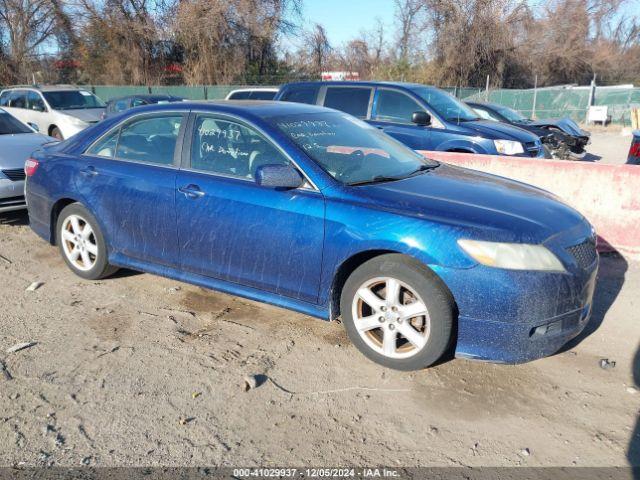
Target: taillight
{"x":30,"y":167}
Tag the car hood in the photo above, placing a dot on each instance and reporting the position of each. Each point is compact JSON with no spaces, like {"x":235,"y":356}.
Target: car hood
{"x":15,"y":149}
{"x":565,"y":124}
{"x":493,"y":207}
{"x":88,"y":115}
{"x":499,"y":131}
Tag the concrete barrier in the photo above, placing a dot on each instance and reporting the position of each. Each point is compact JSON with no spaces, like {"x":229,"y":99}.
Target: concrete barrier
{"x":608,"y":195}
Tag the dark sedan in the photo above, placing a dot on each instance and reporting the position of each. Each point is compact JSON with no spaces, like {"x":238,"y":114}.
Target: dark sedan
{"x":120,"y":104}
{"x":562,"y":137}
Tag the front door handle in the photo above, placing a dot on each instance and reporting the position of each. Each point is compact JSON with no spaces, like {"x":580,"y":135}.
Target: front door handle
{"x":191,"y":191}
{"x":89,"y":171}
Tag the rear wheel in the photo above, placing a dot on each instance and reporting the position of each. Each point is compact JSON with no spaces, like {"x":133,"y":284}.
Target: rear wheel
{"x":397,"y":312}
{"x":82,"y":244}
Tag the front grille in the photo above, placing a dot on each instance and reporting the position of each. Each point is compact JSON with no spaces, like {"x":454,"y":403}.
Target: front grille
{"x":11,"y":201}
{"x":15,"y":175}
{"x":584,"y":253}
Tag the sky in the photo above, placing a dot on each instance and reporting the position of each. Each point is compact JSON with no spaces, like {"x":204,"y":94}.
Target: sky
{"x":345,"y":19}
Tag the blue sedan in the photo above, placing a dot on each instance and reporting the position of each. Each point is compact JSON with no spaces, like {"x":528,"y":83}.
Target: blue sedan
{"x":316,"y":211}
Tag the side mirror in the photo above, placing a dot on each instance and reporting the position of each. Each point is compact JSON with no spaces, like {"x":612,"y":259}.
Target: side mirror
{"x":34,"y":126}
{"x":37,"y":108}
{"x":421,"y":118}
{"x":279,"y":176}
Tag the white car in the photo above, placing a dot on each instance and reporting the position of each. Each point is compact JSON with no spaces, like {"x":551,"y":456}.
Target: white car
{"x":258,"y":93}
{"x":56,"y":111}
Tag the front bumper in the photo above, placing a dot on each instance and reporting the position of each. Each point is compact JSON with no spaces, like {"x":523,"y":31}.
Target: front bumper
{"x":11,"y":196}
{"x":511,"y":316}
{"x":501,"y":342}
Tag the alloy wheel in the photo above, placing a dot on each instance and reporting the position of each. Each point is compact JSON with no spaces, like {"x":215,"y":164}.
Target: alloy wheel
{"x":391,"y":317}
{"x":79,"y":242}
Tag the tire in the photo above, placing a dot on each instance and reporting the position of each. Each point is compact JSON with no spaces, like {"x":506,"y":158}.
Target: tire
{"x":418,"y":288}
{"x":85,"y":252}
{"x":56,"y":133}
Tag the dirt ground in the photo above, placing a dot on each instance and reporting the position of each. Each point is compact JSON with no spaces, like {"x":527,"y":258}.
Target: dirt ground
{"x":141,"y":370}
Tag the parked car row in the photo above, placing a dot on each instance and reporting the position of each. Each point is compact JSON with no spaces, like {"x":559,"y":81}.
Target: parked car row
{"x":563,"y":138}
{"x":315,"y":210}
{"x":442,"y":122}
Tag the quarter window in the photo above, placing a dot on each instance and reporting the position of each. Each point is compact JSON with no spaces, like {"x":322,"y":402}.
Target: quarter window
{"x":106,"y":146}
{"x":393,"y":106}
{"x":4,"y":98}
{"x":354,"y":101}
{"x":229,"y":148}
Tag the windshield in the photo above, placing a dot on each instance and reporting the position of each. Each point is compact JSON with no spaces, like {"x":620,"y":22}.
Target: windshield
{"x":445,"y":105}
{"x":511,"y":114}
{"x":72,"y":100}
{"x":11,"y":126}
{"x":350,"y":150}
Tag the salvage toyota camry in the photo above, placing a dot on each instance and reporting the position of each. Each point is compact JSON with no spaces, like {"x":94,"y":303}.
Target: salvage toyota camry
{"x":314,"y":210}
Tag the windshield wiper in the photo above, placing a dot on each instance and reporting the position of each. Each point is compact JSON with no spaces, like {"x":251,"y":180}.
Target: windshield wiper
{"x":376,"y":179}
{"x":423,"y":168}
{"x":388,"y":178}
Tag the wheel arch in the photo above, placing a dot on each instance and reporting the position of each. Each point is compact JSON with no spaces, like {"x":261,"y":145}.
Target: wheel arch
{"x":50,"y":129}
{"x":56,"y":208}
{"x":348,"y":266}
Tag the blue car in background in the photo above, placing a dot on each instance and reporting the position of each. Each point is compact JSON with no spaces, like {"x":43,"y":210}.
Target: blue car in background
{"x":421,"y":117}
{"x":316,"y":211}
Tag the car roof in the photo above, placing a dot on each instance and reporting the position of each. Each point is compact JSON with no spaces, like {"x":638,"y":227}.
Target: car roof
{"x":347,"y":83}
{"x":47,"y":88}
{"x":255,"y":89}
{"x":254,"y":108}
{"x":146,"y":96}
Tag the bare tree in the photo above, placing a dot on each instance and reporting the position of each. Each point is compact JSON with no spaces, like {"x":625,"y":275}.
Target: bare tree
{"x":28,"y":24}
{"x":410,"y":25}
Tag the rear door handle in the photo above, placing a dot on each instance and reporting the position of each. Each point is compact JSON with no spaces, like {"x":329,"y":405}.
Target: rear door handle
{"x":89,"y":171}
{"x":191,"y":191}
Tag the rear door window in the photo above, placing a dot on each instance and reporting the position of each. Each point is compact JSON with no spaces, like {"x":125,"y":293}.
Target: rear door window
{"x":395,"y":106}
{"x":306,"y":94}
{"x":18,"y":99}
{"x":35,"y":102}
{"x":148,"y":140}
{"x":352,"y":100}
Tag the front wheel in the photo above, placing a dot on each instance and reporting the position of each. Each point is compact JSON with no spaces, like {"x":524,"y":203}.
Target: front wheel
{"x":82,"y":244}
{"x":56,"y":133}
{"x":398,"y":313}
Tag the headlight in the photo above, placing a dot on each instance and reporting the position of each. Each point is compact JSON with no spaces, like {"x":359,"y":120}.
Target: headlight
{"x":508,"y":147}
{"x":512,"y":256}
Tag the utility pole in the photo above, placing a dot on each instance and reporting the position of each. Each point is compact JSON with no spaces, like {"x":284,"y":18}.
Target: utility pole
{"x":535,"y":97}
{"x":486,"y":90}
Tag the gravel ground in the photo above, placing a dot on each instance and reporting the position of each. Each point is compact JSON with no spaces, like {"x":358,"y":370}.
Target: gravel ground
{"x":141,"y":370}
{"x":609,"y":146}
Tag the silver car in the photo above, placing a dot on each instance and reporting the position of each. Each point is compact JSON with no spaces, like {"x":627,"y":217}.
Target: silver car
{"x":17,"y":142}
